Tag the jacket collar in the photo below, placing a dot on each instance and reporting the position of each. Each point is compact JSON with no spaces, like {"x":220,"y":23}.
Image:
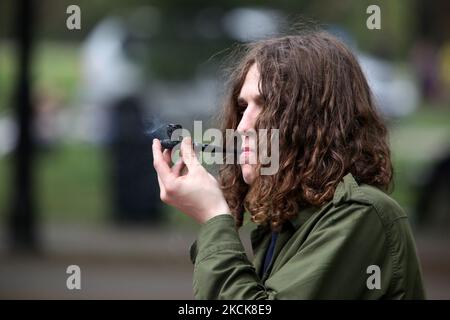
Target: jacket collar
{"x":346,"y":191}
{"x":302,"y":216}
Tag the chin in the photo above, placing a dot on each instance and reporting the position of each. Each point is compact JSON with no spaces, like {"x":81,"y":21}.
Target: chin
{"x":248,"y":173}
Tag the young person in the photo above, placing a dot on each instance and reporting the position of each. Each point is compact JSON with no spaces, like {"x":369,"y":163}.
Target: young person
{"x":325,"y":226}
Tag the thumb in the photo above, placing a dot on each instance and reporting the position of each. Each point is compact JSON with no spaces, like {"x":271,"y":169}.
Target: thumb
{"x":188,"y":154}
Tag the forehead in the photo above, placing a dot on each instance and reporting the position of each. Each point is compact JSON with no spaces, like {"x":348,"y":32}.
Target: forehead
{"x":250,"y":88}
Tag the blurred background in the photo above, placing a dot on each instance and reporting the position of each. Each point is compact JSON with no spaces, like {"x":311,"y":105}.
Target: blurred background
{"x":78,"y":108}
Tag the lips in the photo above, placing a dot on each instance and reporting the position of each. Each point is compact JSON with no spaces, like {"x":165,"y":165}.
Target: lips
{"x":246,"y":151}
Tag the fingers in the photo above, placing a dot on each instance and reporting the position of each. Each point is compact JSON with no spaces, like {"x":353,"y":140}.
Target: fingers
{"x":188,"y":154}
{"x":161,"y":166}
{"x":166,"y":156}
{"x":178,"y":167}
{"x":162,"y":188}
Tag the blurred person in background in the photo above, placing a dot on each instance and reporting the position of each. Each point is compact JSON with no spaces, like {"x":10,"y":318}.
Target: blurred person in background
{"x":426,"y":63}
{"x":324,"y":219}
{"x":46,"y":130}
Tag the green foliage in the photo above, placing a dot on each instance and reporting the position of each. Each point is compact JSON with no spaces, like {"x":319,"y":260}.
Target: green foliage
{"x":55,"y":71}
{"x":7,"y":75}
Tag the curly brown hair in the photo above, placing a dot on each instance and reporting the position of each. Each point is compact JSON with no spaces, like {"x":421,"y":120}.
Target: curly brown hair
{"x":316,"y":94}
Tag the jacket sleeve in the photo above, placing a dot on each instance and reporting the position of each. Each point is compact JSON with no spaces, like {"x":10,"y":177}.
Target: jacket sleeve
{"x":221,"y":267}
{"x":332,"y":263}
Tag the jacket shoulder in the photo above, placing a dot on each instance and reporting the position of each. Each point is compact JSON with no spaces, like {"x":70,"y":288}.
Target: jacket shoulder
{"x":349,"y":191}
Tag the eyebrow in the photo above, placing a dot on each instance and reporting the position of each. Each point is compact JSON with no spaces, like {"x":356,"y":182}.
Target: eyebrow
{"x":258,"y":98}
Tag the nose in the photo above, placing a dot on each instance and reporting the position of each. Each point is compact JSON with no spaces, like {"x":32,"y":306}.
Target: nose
{"x":247,"y":122}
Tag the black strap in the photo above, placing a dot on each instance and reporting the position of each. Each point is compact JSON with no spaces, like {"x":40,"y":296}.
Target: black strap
{"x":269,"y":252}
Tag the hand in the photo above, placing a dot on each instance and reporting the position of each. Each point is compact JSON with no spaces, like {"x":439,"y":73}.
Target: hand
{"x":196,"y":193}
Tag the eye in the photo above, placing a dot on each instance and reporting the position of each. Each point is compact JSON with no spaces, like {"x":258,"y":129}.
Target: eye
{"x":260,"y":101}
{"x":242,"y":105}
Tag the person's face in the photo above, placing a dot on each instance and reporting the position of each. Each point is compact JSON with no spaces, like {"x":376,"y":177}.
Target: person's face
{"x":250,"y":104}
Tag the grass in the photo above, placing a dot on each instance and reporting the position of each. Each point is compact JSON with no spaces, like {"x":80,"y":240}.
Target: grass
{"x":69,"y":184}
{"x":417,"y":141}
{"x":72,"y":186}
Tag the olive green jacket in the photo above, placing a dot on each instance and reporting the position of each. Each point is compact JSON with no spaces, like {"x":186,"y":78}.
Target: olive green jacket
{"x":357,"y":246}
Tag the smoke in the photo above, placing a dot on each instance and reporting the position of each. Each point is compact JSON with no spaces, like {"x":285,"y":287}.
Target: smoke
{"x":155,"y":128}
